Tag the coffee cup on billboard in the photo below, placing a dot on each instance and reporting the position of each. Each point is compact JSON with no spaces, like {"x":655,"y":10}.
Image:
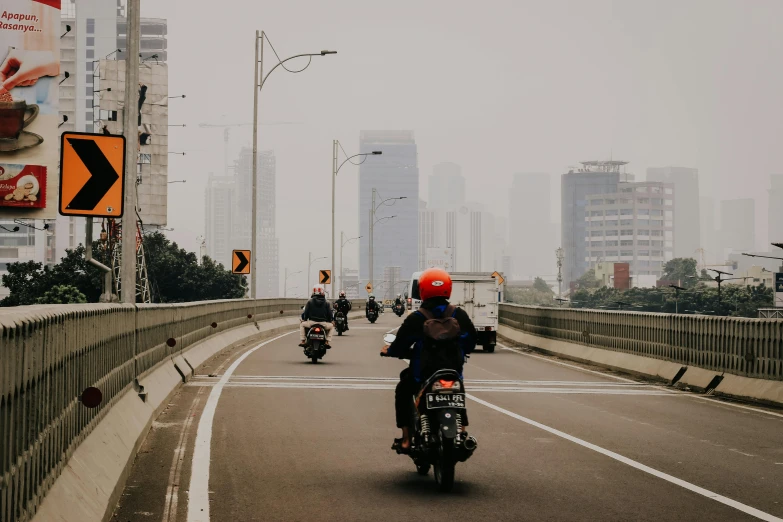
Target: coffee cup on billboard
{"x":15,"y":116}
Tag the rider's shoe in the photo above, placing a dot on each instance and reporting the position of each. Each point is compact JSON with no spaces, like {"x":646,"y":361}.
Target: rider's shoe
{"x":303,"y":344}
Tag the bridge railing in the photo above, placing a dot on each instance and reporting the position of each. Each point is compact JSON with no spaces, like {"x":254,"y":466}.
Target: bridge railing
{"x":50,"y":353}
{"x":737,"y":345}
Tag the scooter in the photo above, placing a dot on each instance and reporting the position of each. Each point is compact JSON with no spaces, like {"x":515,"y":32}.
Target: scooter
{"x":399,"y":309}
{"x":339,"y":322}
{"x":315,"y":344}
{"x":372,"y":315}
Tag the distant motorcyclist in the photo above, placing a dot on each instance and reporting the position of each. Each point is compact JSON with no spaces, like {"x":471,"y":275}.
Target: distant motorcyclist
{"x":343,"y":305}
{"x":426,"y":356}
{"x":372,"y":304}
{"x":317,"y":311}
{"x":399,"y":301}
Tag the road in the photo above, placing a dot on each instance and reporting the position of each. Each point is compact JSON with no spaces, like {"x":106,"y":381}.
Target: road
{"x":271,"y":436}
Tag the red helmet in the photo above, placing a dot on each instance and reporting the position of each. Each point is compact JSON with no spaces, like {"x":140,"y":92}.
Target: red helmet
{"x":434,"y":282}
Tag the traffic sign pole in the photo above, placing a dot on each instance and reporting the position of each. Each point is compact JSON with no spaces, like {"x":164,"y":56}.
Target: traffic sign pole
{"x":131,"y":132}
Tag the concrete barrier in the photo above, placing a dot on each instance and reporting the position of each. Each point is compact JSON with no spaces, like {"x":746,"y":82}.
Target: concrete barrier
{"x":730,"y":356}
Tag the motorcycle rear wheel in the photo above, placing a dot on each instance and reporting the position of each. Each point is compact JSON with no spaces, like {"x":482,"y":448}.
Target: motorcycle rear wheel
{"x":445,"y":466}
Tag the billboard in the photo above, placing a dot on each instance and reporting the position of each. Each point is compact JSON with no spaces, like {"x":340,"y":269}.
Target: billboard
{"x":29,"y":108}
{"x":439,"y":258}
{"x":152,"y":168}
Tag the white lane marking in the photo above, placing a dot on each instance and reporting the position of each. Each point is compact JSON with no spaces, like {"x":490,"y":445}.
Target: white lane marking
{"x":637,"y":465}
{"x":198,"y":493}
{"x":741,"y":453}
{"x":172,"y":490}
{"x":680,"y":393}
{"x":572,"y":366}
{"x":237,"y":378}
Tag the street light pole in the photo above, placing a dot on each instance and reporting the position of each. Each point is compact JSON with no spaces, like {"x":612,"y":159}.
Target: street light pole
{"x":259,"y":62}
{"x":342,"y":244}
{"x":258,"y":83}
{"x":285,"y":282}
{"x":335,"y":170}
{"x":373,"y":208}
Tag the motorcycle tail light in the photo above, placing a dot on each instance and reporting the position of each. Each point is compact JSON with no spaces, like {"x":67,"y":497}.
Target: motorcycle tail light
{"x":446,"y":384}
{"x":317,"y":330}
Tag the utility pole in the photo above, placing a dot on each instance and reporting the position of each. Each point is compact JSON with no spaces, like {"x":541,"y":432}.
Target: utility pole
{"x":560,"y":256}
{"x":334,"y":179}
{"x":259,"y":62}
{"x":309,"y":263}
{"x":372,"y":237}
{"x":285,"y":283}
{"x":131,"y":132}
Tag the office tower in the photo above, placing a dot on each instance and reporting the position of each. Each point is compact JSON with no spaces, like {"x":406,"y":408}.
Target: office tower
{"x":220,"y":201}
{"x":775,"y":210}
{"x":530,"y":236}
{"x":446,"y":186}
{"x":737,"y":226}
{"x":577,"y":186}
{"x":687,"y":235}
{"x":634,"y":225}
{"x":394,"y":174}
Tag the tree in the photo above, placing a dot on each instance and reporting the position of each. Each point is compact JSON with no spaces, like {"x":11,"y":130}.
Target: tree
{"x":174,"y":273}
{"x":681,"y":270}
{"x":62,"y":294}
{"x":540,"y":285}
{"x":588,"y":280}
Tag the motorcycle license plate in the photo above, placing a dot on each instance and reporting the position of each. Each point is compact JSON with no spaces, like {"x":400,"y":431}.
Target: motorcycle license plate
{"x":319,"y":337}
{"x":445,"y":400}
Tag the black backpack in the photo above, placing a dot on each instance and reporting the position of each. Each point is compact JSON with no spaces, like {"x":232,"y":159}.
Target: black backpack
{"x":440,"y":349}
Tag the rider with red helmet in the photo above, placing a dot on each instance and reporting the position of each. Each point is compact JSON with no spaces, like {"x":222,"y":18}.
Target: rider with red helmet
{"x":435,"y":290}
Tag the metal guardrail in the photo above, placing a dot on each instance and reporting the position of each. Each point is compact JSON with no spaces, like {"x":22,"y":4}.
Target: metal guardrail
{"x":736,"y":345}
{"x":50,"y":353}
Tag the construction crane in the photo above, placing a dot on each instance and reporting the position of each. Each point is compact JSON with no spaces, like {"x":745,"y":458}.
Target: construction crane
{"x":227,"y":133}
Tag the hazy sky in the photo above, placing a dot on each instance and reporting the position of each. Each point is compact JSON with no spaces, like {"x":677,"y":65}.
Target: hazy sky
{"x":497,"y":87}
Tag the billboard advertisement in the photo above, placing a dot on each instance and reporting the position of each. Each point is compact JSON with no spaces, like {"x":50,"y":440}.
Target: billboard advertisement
{"x":29,"y":105}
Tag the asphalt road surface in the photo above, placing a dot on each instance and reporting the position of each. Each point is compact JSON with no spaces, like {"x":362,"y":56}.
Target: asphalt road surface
{"x":262,"y":434}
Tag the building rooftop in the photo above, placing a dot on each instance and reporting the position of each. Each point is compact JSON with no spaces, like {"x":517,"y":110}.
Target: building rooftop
{"x":387,"y":136}
{"x":602,"y":166}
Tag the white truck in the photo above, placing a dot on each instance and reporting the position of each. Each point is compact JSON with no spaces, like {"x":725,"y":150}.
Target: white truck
{"x":478,"y":294}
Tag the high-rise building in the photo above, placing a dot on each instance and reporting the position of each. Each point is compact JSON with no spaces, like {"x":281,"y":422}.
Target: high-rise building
{"x":268,"y":245}
{"x":395,"y":174}
{"x":219,"y":218}
{"x":708,"y":253}
{"x":530,"y":232}
{"x":633,"y":225}
{"x":687,"y":235}
{"x":446,"y":186}
{"x":93,"y":35}
{"x":737,"y":226}
{"x":577,"y":186}
{"x":775,"y":210}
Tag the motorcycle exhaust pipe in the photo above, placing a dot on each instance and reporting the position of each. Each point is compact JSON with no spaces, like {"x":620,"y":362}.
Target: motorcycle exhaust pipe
{"x":470,"y":444}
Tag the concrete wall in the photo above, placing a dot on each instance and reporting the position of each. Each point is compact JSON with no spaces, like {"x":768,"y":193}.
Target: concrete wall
{"x":135,"y":354}
{"x":735,"y":356}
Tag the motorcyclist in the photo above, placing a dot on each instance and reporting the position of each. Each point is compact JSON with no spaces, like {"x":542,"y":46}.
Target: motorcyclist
{"x":343,"y":305}
{"x":399,"y":301}
{"x":435,"y":290}
{"x":372,"y":304}
{"x":317,"y":311}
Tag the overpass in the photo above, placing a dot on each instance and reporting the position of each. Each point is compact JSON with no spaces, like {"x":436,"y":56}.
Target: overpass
{"x":211,"y":412}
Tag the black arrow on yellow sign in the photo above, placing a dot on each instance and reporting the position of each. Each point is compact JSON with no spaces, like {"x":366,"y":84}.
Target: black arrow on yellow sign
{"x":325,"y":277}
{"x":103,"y":175}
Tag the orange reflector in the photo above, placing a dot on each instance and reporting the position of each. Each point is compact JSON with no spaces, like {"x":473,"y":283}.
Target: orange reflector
{"x":446,"y":384}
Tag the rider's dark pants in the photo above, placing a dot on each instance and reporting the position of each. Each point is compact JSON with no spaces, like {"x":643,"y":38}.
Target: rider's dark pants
{"x":403,"y":403}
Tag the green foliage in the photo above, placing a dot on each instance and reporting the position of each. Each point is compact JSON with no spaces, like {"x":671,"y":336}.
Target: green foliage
{"x":735,"y":300}
{"x":29,"y":281}
{"x":540,"y":285}
{"x":62,"y":294}
{"x":529,"y":296}
{"x":175,"y":277}
{"x":588,"y":280}
{"x":681,"y":270}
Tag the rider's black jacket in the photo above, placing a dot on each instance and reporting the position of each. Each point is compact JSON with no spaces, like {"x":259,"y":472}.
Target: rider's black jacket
{"x":343,"y":305}
{"x":317,"y":309}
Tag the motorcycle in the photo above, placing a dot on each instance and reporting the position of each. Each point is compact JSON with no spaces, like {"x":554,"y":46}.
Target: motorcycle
{"x":372,"y":315}
{"x":399,"y":309}
{"x":315,"y":342}
{"x":437,"y":439}
{"x":339,"y":323}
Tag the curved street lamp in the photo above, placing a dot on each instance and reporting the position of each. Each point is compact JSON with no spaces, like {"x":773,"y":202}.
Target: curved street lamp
{"x":335,"y":171}
{"x":342,"y":244}
{"x":373,"y":221}
{"x":259,"y":64}
{"x":285,"y":281}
